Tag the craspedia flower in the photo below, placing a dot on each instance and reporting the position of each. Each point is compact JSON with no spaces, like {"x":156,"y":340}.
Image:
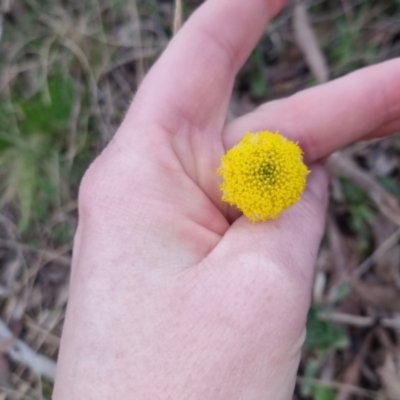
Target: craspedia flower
{"x":263,"y":175}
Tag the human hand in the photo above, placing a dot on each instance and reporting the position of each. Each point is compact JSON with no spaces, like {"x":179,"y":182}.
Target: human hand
{"x":173,"y":294}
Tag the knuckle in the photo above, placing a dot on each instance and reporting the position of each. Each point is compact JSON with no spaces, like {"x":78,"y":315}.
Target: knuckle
{"x":91,"y":188}
{"x":112,"y":184}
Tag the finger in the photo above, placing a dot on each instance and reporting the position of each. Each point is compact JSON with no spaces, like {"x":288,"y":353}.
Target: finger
{"x":192,"y":81}
{"x":385,"y":130}
{"x":271,"y":266}
{"x":291,"y":241}
{"x":328,"y":117}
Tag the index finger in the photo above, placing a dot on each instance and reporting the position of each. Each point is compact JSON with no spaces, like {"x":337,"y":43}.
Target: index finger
{"x":327,"y":117}
{"x":192,"y":81}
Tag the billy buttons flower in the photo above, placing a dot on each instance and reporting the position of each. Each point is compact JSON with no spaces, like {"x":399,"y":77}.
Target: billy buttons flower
{"x":263,"y":175}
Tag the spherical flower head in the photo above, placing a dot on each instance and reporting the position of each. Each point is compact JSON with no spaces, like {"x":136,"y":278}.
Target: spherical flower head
{"x":263,"y":175}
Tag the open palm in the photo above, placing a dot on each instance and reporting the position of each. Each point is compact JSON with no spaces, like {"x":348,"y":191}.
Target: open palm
{"x":174,"y":295}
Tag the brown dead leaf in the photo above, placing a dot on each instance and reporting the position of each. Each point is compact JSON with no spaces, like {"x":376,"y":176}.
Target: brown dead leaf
{"x":386,"y":265}
{"x":338,"y":249}
{"x":390,"y":374}
{"x":6,"y":345}
{"x":5,"y":371}
{"x":385,"y":297}
{"x":352,"y":372}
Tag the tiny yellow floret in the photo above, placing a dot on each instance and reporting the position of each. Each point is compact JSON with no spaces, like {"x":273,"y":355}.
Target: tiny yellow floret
{"x":263,"y":175}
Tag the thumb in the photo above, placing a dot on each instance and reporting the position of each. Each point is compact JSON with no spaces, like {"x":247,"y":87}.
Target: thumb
{"x":292,"y":240}
{"x":271,"y":266}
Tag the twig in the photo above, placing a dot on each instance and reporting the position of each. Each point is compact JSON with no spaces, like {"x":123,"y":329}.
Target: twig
{"x":337,"y":247}
{"x":348,"y":11}
{"x":20,"y":352}
{"x":50,"y":255}
{"x":13,"y":267}
{"x":177,"y":16}
{"x":5,"y":390}
{"x":4,"y":9}
{"x":60,"y":31}
{"x":73,"y":129}
{"x":137,"y":46}
{"x":147,"y":52}
{"x":46,"y":335}
{"x":390,"y":242}
{"x":345,"y":387}
{"x":46,"y":258}
{"x":308,"y":42}
{"x":360,"y":321}
{"x":341,"y":165}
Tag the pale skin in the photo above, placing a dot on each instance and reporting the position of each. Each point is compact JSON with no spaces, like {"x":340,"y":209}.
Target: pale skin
{"x":174,"y":295}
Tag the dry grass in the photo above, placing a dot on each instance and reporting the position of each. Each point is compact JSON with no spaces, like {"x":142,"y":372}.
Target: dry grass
{"x":98,"y":52}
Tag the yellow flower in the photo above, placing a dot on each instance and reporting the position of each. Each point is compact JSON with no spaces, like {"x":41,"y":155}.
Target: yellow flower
{"x":263,"y":175}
